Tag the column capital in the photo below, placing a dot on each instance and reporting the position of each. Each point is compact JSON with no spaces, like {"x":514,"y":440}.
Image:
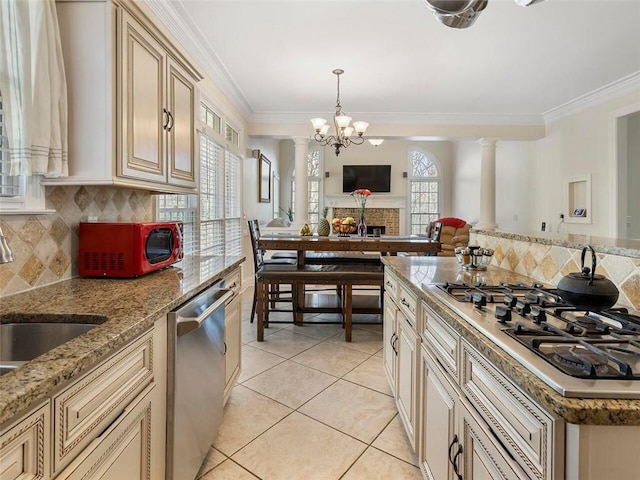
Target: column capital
{"x":301,"y":140}
{"x":487,"y":141}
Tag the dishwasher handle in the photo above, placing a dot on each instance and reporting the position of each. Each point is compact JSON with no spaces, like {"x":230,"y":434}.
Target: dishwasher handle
{"x":185,"y":325}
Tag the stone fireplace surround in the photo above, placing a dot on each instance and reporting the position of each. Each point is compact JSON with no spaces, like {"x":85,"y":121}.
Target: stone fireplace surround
{"x":381,"y":210}
{"x":389,"y":218}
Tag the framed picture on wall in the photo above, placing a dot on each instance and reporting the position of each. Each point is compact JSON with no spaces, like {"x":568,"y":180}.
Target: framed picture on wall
{"x":264,"y":179}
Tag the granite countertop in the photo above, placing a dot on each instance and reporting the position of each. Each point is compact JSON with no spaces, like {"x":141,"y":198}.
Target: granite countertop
{"x":624,"y":247}
{"x":124,"y":307}
{"x":419,"y":270}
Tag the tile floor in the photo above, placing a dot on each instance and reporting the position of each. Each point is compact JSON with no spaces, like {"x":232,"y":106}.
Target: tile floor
{"x":308,"y":405}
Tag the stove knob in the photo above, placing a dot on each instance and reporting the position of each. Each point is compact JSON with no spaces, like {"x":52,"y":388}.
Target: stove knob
{"x":510,"y":300}
{"x":503,"y":314}
{"x":479,"y":300}
{"x":523,"y":307}
{"x":538,"y":315}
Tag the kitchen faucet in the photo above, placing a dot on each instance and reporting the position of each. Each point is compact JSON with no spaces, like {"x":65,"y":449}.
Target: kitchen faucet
{"x":6,"y":255}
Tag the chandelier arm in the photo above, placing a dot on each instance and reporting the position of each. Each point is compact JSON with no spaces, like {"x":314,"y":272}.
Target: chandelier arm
{"x":330,"y":140}
{"x":339,"y":140}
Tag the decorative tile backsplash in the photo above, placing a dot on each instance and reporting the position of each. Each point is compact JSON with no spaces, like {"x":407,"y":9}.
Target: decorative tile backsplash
{"x":45,"y":247}
{"x":549,"y":263}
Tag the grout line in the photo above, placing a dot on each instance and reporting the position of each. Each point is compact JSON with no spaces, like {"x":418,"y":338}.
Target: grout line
{"x":292,"y":410}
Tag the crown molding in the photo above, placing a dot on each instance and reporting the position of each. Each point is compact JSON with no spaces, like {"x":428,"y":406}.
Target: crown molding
{"x":623,"y":86}
{"x":298,"y":118}
{"x":175,"y":18}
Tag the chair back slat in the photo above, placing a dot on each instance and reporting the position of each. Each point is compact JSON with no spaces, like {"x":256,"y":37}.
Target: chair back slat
{"x":436,"y":230}
{"x":258,"y":254}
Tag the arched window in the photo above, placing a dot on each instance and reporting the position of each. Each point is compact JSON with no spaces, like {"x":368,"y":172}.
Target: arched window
{"x":314,"y":174}
{"x":424,"y":190}
{"x":314,"y":171}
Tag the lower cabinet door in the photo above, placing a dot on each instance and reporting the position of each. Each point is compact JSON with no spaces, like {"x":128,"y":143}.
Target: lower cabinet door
{"x":438,"y":435}
{"x":483,"y":458}
{"x":25,"y":447}
{"x":233,"y":344}
{"x":389,"y":339}
{"x":408,"y":346}
{"x":122,"y":451}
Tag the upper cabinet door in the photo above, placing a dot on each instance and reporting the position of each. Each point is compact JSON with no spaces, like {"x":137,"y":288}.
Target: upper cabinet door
{"x":144,"y":116}
{"x":181,"y":128}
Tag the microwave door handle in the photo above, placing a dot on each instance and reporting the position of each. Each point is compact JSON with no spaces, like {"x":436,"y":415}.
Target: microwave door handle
{"x":180,"y":241}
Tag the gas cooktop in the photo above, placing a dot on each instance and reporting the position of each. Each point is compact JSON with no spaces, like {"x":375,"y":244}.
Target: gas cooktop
{"x":578,"y":353}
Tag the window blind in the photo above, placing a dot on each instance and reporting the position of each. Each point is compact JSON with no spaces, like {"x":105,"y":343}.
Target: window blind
{"x":211,"y":197}
{"x":233,"y":209}
{"x":182,"y":208}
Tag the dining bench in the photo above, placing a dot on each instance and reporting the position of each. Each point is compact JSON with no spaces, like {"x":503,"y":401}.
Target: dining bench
{"x":344,"y":276}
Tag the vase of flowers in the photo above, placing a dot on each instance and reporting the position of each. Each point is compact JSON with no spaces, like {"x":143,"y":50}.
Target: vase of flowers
{"x":360,"y":196}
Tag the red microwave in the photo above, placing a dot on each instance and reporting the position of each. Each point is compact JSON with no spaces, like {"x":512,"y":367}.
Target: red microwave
{"x":128,"y":249}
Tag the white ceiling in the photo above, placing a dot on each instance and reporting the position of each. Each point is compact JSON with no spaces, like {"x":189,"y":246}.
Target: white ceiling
{"x":276,"y":57}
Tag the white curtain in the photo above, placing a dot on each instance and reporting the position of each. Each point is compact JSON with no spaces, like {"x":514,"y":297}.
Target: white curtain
{"x":33,"y":88}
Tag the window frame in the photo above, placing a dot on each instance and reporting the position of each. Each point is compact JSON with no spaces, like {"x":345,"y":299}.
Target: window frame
{"x":411,"y":179}
{"x":317,"y":181}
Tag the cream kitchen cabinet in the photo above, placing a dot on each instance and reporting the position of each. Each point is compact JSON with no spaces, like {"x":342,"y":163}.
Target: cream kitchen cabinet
{"x":454,"y":444}
{"x":232,"y":332}
{"x":401,"y":351}
{"x":158,"y":101}
{"x":95,"y":401}
{"x":25,"y":446}
{"x":123,"y":450}
{"x":233,"y":344}
{"x":477,"y":456}
{"x":438,"y":421}
{"x":406,"y":393}
{"x":132,"y":100}
{"x":389,"y":338}
{"x":107,"y":424}
{"x":490,"y":427}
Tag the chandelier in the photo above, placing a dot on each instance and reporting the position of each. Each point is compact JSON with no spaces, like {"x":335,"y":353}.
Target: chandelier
{"x":343,"y":137}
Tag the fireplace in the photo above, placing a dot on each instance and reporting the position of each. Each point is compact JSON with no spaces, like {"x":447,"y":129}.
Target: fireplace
{"x":376,"y":230}
{"x":387,"y":219}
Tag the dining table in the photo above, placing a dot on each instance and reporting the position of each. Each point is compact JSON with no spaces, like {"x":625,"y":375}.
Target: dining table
{"x":384,"y":244}
{"x":350,"y":246}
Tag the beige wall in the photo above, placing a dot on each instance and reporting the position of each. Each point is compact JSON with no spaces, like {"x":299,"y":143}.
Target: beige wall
{"x":515,"y":186}
{"x":576,"y":145}
{"x":633,"y":176}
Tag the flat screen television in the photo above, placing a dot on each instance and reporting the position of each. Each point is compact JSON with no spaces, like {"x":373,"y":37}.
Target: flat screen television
{"x":376,"y":178}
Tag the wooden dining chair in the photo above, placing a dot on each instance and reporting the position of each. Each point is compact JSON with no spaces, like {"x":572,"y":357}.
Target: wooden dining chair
{"x":276,"y":294}
{"x":434,"y":234}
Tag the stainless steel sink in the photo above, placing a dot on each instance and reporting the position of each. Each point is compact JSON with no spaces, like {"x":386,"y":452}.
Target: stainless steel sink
{"x":24,"y":341}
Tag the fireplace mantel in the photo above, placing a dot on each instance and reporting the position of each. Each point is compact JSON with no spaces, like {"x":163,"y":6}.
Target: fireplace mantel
{"x":374,"y":201}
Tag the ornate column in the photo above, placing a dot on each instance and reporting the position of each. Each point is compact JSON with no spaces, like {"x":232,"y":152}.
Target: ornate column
{"x":487,"y":219}
{"x":301,"y":199}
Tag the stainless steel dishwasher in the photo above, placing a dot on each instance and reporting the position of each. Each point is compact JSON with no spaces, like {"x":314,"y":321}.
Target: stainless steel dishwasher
{"x":195,"y":380}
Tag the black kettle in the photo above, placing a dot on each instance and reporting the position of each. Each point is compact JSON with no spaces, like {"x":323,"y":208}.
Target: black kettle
{"x":586,"y":290}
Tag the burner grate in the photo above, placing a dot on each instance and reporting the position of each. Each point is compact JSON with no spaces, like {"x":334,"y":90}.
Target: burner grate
{"x":580,"y":343}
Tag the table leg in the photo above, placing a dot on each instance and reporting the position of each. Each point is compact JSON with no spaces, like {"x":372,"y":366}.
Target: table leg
{"x":348,"y":307}
{"x":260,"y":298}
{"x":298,"y":291}
{"x":298,"y":304}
